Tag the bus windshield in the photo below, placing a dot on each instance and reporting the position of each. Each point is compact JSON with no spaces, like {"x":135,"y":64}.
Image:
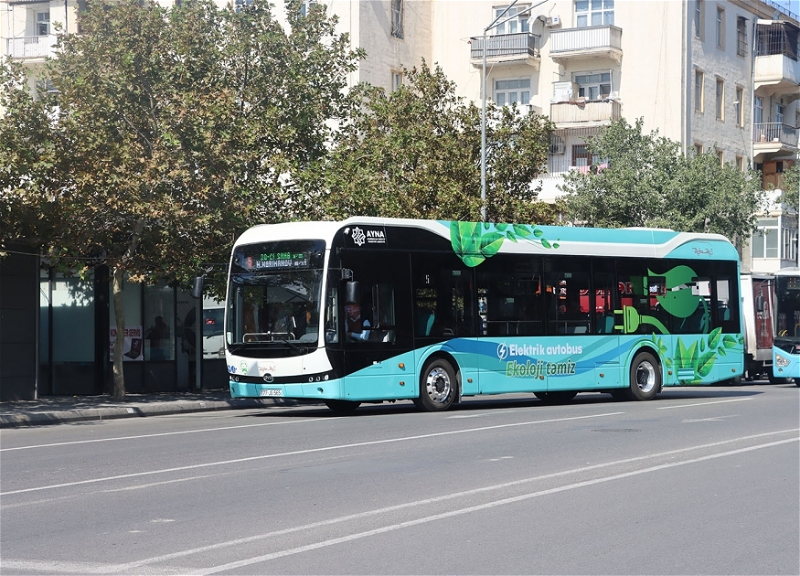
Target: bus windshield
{"x":274,"y":295}
{"x":787,"y":295}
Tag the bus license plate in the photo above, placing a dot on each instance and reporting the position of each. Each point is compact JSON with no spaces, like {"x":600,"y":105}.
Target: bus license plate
{"x":270,"y":392}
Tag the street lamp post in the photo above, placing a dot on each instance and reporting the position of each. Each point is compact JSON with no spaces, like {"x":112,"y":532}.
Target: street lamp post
{"x":494,"y":24}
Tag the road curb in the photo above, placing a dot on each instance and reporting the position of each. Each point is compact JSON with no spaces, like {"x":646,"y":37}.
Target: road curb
{"x":43,"y":417}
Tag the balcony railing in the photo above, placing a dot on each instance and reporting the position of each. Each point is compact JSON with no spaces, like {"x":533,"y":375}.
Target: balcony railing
{"x":775,"y":133}
{"x":30,"y":46}
{"x":504,"y":47}
{"x":589,"y":41}
{"x":577,"y":111}
{"x":777,"y":38}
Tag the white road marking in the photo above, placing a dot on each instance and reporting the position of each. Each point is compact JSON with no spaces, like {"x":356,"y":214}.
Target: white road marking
{"x":426,"y":436}
{"x":696,"y":404}
{"x":177,"y":433}
{"x":155,"y":562}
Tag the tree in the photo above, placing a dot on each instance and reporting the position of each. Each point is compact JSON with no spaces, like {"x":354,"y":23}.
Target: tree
{"x":791,"y":188}
{"x":645,"y":180}
{"x":415,"y":153}
{"x":166,"y":133}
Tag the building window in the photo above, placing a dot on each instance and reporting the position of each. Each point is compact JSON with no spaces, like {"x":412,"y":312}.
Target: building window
{"x":740,"y":163}
{"x":306,"y":6}
{"x":699,"y":21}
{"x":397,"y":18}
{"x":788,"y":243}
{"x":512,"y":21}
{"x":738,"y":107}
{"x":698,"y":149}
{"x":582,"y":157}
{"x":594,"y":12}
{"x":780,"y":110}
{"x":720,"y":99}
{"x":758,"y":110}
{"x":721,"y":156}
{"x":594,"y":86}
{"x":43,"y":23}
{"x":509,"y":91}
{"x":699,"y":79}
{"x":765,"y":239}
{"x":741,"y":36}
{"x":397,"y":80}
{"x":720,"y":27}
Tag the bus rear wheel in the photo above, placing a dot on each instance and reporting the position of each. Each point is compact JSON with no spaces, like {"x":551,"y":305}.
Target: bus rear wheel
{"x":645,"y":377}
{"x":342,"y":406}
{"x":437,"y":386}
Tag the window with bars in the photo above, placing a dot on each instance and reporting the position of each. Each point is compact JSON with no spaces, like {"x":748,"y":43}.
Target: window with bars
{"x":397,"y":18}
{"x":741,"y":36}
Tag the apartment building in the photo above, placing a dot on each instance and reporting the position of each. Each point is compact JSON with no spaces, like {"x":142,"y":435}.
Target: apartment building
{"x":712,"y":75}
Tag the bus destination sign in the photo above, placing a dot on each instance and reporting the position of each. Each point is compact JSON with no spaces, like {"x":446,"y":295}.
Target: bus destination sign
{"x":284,"y":259}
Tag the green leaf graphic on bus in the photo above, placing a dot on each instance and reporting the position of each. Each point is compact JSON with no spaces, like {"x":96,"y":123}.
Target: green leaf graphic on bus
{"x":699,"y":357}
{"x":474,"y":242}
{"x":678,"y":302}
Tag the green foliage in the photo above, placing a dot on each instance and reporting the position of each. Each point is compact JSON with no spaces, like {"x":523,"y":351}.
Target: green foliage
{"x":791,"y":188}
{"x":645,"y":180}
{"x":168,"y":132}
{"x":416,"y":153}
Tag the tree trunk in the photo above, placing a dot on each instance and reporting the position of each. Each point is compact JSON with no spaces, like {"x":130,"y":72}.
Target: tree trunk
{"x":119,"y":345}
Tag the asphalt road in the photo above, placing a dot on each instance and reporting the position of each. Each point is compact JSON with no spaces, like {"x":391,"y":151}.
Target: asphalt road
{"x":699,"y":481}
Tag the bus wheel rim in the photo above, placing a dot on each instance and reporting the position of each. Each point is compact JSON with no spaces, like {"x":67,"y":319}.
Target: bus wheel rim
{"x":646,"y":376}
{"x":437,"y":385}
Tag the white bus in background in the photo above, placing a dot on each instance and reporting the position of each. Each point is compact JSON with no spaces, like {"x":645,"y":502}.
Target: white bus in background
{"x":771,"y":314}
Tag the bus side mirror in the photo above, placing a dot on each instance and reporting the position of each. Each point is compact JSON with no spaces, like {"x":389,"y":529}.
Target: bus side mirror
{"x":197,"y":289}
{"x":351,"y":292}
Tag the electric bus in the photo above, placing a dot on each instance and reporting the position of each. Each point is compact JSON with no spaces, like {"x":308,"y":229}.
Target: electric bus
{"x":456,"y":309}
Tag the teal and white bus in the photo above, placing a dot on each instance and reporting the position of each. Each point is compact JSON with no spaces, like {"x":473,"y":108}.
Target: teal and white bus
{"x":457,"y":309}
{"x":786,"y":344}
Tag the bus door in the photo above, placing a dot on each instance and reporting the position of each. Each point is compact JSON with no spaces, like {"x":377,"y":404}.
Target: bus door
{"x":511,"y":300}
{"x":368,"y":328}
{"x":443,"y":320}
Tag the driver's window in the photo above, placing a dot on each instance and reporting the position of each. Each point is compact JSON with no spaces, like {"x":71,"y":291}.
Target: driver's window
{"x":332,"y":312}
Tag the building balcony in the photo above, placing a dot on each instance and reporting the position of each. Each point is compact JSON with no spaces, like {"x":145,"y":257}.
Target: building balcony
{"x":776,"y":64}
{"x":30,"y":47}
{"x":580,"y":112}
{"x":774,"y":137}
{"x":588,"y":42}
{"x":521,"y":48}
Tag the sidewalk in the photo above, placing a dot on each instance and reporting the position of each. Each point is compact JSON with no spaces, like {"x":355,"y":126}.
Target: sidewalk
{"x":61,"y":409}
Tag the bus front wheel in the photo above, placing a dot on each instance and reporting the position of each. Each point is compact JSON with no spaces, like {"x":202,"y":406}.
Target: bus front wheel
{"x":645,"y":377}
{"x":437,"y":386}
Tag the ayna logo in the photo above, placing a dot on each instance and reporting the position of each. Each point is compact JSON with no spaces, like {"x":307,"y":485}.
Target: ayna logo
{"x":502,"y":351}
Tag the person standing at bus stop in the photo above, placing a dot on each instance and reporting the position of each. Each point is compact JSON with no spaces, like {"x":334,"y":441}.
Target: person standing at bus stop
{"x":356,"y":327}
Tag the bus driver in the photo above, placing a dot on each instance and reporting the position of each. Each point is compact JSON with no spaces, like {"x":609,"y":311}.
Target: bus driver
{"x":357,"y":328}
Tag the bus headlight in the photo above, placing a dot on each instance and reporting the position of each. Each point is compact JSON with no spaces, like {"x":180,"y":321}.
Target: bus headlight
{"x":781,"y":361}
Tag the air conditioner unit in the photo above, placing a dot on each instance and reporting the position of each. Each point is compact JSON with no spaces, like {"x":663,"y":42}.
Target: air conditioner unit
{"x":564,"y":91}
{"x":553,"y":21}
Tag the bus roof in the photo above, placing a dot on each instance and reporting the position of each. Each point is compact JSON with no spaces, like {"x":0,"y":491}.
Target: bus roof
{"x":524,"y":238}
